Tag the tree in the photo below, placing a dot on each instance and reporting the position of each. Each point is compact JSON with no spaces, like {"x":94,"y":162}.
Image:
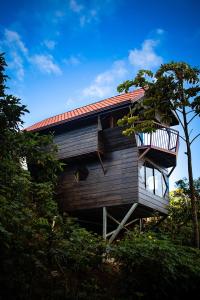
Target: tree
{"x":174,"y":87}
{"x":27,"y":205}
{"x":178,"y":225}
{"x":41,"y":251}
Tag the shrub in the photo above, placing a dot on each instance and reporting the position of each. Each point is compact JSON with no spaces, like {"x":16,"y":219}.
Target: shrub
{"x":156,"y":268}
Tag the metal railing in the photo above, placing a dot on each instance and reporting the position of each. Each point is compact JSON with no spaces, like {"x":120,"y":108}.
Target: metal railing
{"x":164,"y":138}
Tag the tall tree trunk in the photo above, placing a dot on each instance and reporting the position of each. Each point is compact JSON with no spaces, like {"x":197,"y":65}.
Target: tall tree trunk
{"x":191,"y":183}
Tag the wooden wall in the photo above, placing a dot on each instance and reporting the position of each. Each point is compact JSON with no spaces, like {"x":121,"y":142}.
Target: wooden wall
{"x":119,"y":185}
{"x":114,"y":140}
{"x":77,"y":142}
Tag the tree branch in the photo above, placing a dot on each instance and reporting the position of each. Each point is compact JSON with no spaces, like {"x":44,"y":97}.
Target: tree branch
{"x":179,"y":119}
{"x":179,"y":110}
{"x":189,"y":112}
{"x":182,"y":138}
{"x":192,"y":119}
{"x":190,"y":132}
{"x":194,"y":138}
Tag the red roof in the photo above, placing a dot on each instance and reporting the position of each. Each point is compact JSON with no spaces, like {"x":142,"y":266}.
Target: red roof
{"x":87,"y":110}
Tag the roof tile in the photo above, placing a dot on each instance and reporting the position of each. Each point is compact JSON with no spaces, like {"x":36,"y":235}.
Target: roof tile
{"x":88,"y":109}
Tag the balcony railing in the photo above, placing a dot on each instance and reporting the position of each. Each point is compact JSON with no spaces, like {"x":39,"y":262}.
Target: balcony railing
{"x":164,"y":138}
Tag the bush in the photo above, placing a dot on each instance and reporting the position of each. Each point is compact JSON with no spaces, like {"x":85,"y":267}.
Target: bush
{"x":152,"y":268}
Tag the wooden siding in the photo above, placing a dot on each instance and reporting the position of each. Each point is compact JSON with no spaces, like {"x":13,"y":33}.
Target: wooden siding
{"x":114,"y":140}
{"x":77,"y":142}
{"x":119,"y":185}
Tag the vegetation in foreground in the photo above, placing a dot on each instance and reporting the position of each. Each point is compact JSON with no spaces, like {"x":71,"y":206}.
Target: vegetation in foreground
{"x":45,"y":255}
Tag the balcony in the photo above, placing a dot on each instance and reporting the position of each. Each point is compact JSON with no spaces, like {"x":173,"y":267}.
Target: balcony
{"x":161,"y":146}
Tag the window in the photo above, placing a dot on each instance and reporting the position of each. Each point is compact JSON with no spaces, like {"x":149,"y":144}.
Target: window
{"x":149,"y":178}
{"x":153,"y":180}
{"x":81,"y":173}
{"x":142,"y":175}
{"x":158,"y":183}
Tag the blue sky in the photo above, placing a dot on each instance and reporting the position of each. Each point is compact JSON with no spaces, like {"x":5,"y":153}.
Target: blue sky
{"x":64,"y":54}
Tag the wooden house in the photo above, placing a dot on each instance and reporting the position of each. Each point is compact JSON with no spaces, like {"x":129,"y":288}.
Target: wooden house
{"x":111,"y":180}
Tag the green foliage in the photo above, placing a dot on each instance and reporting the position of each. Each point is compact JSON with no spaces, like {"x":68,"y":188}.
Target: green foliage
{"x":172,"y":87}
{"x":40,"y":252}
{"x":152,"y":268}
{"x":178,"y":225}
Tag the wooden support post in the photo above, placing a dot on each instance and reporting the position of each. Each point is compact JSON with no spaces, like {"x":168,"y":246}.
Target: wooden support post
{"x":123,"y":222}
{"x":99,"y":123}
{"x":111,"y":122}
{"x":112,"y":218}
{"x":131,"y":222}
{"x":110,"y":233}
{"x":171,"y":171}
{"x":101,"y":162}
{"x":104,"y":223}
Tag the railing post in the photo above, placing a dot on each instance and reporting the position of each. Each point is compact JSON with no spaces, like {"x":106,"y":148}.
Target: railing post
{"x":150,"y":138}
{"x":164,"y":137}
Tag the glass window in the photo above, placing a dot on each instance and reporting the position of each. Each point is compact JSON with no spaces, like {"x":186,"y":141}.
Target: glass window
{"x":158,"y":183}
{"x":149,"y":179}
{"x":142,"y":175}
{"x":153,"y":180}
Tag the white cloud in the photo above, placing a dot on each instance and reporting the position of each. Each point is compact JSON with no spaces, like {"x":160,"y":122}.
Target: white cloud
{"x":89,"y":17}
{"x":19,"y":55}
{"x":145,"y":58}
{"x":49,"y":44}
{"x":105,"y":83}
{"x":75,"y":6}
{"x":85,"y":15}
{"x":72,"y":60}
{"x":17,"y":65}
{"x":16,"y":52}
{"x":46,"y":64}
{"x":160,"y":31}
{"x":13,"y":39}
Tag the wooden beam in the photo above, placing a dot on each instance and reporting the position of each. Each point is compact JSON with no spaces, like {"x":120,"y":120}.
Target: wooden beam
{"x":112,"y":218}
{"x":131,"y":222}
{"x":111,"y":121}
{"x":143,"y":153}
{"x":123,"y":222}
{"x":171,"y":171}
{"x":101,"y":162}
{"x":99,"y":123}
{"x":109,"y":233}
{"x":156,"y":166}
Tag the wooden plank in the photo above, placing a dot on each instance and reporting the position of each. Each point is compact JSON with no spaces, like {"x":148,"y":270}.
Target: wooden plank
{"x":123,"y":222}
